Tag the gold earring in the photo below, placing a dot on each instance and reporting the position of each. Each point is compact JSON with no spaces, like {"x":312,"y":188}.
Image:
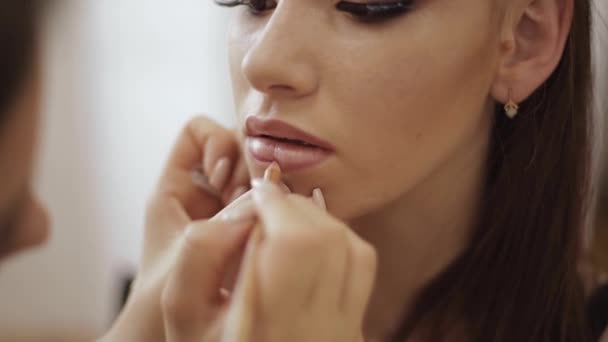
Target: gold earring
{"x":511,"y":108}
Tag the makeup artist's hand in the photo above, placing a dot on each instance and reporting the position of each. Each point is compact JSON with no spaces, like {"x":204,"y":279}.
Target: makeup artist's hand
{"x":214,"y":150}
{"x":314,"y":275}
{"x":195,"y":299}
{"x":176,"y":203}
{"x":313,"y":279}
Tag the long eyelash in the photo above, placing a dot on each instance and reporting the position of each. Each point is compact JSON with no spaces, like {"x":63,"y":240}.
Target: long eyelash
{"x":249,"y":3}
{"x":231,"y":3}
{"x":372,"y":11}
{"x":364,"y":11}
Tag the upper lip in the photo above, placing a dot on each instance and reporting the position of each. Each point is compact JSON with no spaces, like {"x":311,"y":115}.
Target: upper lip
{"x":277,"y":129}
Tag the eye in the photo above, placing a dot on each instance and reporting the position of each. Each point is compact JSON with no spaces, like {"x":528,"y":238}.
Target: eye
{"x":256,"y":7}
{"x":375,"y":11}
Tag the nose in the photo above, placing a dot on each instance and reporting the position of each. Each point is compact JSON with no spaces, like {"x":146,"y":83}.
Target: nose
{"x":280,"y":60}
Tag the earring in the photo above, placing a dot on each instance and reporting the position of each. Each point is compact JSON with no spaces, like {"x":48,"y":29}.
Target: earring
{"x":511,"y":108}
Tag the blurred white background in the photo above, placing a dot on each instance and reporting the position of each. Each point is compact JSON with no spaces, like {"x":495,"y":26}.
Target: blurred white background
{"x":123,"y":78}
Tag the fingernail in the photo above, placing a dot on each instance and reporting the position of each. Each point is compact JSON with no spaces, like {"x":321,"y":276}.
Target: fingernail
{"x":220,"y":174}
{"x":225,"y":293}
{"x":202,"y":181}
{"x":319,"y":198}
{"x":198,"y":177}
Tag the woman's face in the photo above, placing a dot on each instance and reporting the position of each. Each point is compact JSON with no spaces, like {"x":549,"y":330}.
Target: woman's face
{"x":395,"y":100}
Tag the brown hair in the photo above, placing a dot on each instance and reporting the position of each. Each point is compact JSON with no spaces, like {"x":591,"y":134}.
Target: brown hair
{"x":18,"y":26}
{"x":518,"y":279}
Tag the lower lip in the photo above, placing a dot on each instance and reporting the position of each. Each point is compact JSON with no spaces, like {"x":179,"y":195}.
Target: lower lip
{"x":290,"y":157}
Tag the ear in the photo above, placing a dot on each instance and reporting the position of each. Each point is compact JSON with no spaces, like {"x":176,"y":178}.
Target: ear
{"x":533,"y":41}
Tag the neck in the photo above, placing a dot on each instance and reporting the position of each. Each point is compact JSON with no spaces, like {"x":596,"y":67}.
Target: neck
{"x":417,"y":236}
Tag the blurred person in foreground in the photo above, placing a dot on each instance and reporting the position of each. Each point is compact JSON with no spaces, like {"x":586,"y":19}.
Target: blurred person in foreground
{"x":24,"y":221}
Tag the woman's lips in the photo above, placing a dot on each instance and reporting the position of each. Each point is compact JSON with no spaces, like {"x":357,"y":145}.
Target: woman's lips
{"x":290,"y":156}
{"x":294,"y":149}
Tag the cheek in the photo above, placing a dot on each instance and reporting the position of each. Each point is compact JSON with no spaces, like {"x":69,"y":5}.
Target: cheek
{"x":403,"y":100}
{"x":238,"y":81}
{"x":239,"y":42}
{"x":424,"y":106}
{"x":410,"y":108}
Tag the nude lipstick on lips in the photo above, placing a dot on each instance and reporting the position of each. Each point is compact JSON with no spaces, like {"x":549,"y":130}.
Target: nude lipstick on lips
{"x":293,"y":149}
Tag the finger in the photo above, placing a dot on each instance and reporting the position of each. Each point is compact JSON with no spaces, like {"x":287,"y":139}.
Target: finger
{"x":330,"y":290}
{"x":197,"y":202}
{"x":240,"y":316}
{"x":222,"y":143}
{"x":192,"y":293}
{"x":242,"y":190}
{"x":234,"y":209}
{"x":360,"y":280}
{"x":188,"y":150}
{"x":165,"y":218}
{"x":275,"y":209}
{"x":329,"y":293}
{"x":239,"y":178}
{"x":200,"y":179}
{"x":220,"y":174}
{"x":220,"y":157}
{"x":238,"y":192}
{"x":289,"y":257}
{"x":241,"y":209}
{"x":319,"y":199}
{"x":202,"y":141}
{"x":237,"y":210}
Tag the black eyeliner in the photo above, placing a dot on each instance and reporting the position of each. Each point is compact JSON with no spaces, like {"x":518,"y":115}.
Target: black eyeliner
{"x":376,"y":9}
